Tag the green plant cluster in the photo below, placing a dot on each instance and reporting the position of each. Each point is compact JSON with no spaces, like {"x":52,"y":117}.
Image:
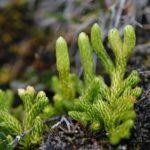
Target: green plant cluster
{"x":92,"y":102}
{"x":34,"y":112}
{"x":102,"y":106}
{"x":67,"y":86}
{"x":6,"y":99}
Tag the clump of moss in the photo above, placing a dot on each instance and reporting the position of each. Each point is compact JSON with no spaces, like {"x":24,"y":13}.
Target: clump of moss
{"x":102,"y":106}
{"x":34,"y":111}
{"x":92,"y":102}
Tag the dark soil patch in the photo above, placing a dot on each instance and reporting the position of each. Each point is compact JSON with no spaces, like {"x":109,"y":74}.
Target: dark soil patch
{"x":59,"y":140}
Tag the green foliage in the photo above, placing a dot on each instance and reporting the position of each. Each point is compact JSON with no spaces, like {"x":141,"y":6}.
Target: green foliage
{"x":67,"y":86}
{"x":92,"y":102}
{"x":6,"y":99}
{"x":86,"y":58}
{"x":102,"y":106}
{"x":5,"y":104}
{"x":4,"y":140}
{"x":34,"y":106}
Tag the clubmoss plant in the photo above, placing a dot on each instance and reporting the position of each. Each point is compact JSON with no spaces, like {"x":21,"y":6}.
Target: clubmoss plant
{"x":5,"y":104}
{"x":67,"y":85}
{"x":4,"y":140}
{"x":92,"y":102}
{"x":108,"y":107}
{"x":6,"y":99}
{"x":34,"y":105}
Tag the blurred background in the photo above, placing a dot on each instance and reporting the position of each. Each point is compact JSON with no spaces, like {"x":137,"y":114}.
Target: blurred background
{"x":29,"y":29}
